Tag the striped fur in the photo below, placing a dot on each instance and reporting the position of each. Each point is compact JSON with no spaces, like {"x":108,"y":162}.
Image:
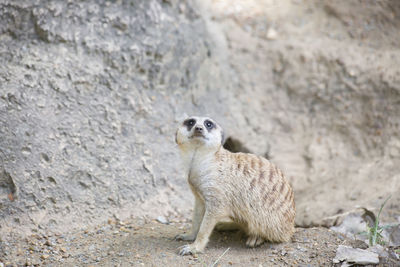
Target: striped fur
{"x":272,"y":210}
{"x":239,"y":188}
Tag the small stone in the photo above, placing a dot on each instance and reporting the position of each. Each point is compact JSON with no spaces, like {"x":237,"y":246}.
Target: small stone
{"x":36,"y":261}
{"x":48,"y":243}
{"x":381,"y":251}
{"x":123,"y":229}
{"x":162,"y":219}
{"x":394,"y":235}
{"x":272,"y":34}
{"x":44,"y":256}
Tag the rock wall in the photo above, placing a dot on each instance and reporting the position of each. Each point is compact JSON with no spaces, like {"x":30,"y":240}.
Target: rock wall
{"x":91,"y":93}
{"x":90,"y":96}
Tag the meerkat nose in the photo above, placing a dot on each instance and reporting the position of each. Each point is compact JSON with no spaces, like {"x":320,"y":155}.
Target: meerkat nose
{"x":198,"y":129}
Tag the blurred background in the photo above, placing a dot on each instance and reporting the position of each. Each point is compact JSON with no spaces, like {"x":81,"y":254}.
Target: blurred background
{"x":91,"y":93}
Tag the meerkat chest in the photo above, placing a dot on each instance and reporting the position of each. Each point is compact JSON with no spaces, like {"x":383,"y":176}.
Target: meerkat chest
{"x":202,"y":170}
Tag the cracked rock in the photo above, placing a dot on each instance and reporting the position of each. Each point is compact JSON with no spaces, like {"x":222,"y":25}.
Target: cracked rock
{"x":349,"y":255}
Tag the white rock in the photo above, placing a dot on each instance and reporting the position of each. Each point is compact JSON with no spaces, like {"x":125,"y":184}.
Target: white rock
{"x":272,"y":34}
{"x":381,"y":251}
{"x":162,"y":219}
{"x":352,"y":225}
{"x":350,"y":255}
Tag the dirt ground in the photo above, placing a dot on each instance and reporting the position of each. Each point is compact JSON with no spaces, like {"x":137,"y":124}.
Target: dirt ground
{"x":149,"y":243}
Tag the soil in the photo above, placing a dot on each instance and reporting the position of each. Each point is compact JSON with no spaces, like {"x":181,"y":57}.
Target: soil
{"x":139,"y":242}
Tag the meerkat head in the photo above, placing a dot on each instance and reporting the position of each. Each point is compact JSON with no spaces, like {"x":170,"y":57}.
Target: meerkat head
{"x":199,"y":131}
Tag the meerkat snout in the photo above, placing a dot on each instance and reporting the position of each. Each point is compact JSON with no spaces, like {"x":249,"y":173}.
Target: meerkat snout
{"x":232,"y":187}
{"x":198,"y":129}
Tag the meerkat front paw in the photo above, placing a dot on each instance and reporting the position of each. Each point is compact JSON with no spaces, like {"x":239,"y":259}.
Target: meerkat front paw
{"x":187,"y":250}
{"x":185,"y":237}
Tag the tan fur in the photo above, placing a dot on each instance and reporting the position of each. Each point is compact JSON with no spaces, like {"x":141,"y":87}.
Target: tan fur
{"x":245,"y":189}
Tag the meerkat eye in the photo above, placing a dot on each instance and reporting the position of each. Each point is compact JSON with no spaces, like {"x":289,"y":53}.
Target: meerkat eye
{"x":209,"y":124}
{"x":189,"y":123}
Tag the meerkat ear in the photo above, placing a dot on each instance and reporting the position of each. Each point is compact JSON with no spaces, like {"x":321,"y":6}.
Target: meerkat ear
{"x":176,"y":136}
{"x":181,"y":118}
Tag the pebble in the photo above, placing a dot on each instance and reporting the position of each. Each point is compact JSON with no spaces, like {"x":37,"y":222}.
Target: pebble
{"x":48,"y":243}
{"x":123,"y":229}
{"x":44,"y":256}
{"x":378,"y":249}
{"x":162,"y":219}
{"x":302,"y":249}
{"x":272,"y":34}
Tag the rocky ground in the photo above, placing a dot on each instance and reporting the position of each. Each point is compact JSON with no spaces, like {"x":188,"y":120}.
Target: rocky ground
{"x":141,"y":242}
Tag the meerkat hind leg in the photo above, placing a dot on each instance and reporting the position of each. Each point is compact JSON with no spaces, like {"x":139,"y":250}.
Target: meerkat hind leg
{"x":254,"y":241}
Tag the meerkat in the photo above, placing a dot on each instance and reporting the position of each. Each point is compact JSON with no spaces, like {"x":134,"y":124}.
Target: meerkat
{"x":239,"y":188}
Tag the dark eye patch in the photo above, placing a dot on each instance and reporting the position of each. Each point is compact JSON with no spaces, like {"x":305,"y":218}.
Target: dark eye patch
{"x":209,"y":125}
{"x":189,"y":123}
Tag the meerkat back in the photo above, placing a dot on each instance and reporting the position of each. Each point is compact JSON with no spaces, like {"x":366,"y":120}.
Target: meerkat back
{"x":262,"y":199}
